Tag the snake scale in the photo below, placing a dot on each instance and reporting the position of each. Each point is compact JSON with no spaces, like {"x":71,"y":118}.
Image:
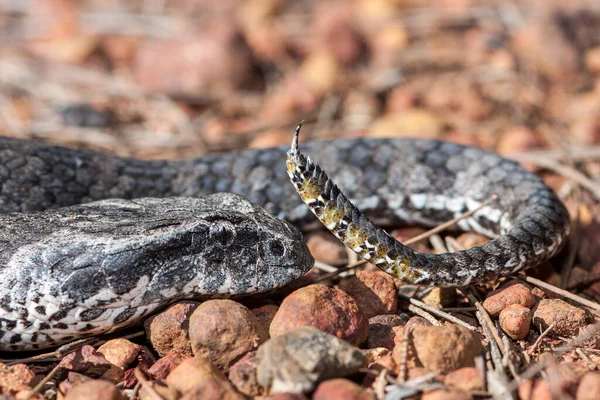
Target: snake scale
{"x":91,"y":242}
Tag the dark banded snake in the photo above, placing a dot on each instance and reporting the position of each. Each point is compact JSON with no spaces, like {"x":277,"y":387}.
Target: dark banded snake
{"x":69,"y":269}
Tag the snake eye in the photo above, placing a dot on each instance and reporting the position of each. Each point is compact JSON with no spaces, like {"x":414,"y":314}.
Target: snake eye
{"x":222,"y":232}
{"x":276,"y":248}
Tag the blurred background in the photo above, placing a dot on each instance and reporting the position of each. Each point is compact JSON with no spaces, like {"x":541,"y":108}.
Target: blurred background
{"x":180,"y":78}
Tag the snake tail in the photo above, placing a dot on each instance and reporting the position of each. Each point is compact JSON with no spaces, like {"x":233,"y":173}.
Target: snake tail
{"x":491,"y":260}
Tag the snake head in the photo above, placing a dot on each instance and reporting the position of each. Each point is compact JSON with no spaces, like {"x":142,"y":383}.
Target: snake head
{"x":283,"y":255}
{"x":249,"y":250}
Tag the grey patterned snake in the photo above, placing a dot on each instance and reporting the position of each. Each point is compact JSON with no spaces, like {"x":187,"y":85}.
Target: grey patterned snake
{"x":91,"y":268}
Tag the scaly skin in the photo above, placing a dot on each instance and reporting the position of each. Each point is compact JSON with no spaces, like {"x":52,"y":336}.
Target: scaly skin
{"x":410,"y":181}
{"x":528,"y":237}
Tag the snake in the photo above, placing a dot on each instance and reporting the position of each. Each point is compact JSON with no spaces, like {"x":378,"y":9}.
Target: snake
{"x":91,"y":242}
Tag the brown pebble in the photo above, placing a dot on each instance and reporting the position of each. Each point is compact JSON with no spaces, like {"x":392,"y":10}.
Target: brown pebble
{"x":471,"y":239}
{"x":589,"y":387}
{"x":149,"y":391}
{"x":441,"y":297}
{"x":342,"y":389}
{"x":265,"y":314}
{"x":298,"y":360}
{"x":242,"y":375}
{"x":567,"y":318}
{"x":416,"y":321}
{"x":212,"y":389}
{"x":15,"y":378}
{"x":446,"y":348}
{"x":320,"y":72}
{"x":540,"y":390}
{"x":215,"y":60}
{"x":270,"y":138}
{"x":514,"y":294}
{"x":325,"y":247}
{"x":384,"y":330}
{"x":410,"y":122}
{"x":187,"y":374}
{"x":86,"y":360}
{"x":373,"y":291}
{"x":467,"y":379}
{"x":163,"y":367}
{"x":95,"y":389}
{"x":168,"y":330}
{"x":73,"y":379}
{"x":515,"y":321}
{"x":516,"y":140}
{"x":223,"y":331}
{"x":448,"y":394}
{"x":120,"y":352}
{"x":329,"y":310}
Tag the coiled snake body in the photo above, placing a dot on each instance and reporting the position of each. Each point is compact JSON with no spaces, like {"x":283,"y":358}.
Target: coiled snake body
{"x":92,"y":268}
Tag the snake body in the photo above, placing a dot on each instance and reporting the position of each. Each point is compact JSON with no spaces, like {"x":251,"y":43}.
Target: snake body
{"x":527,"y":235}
{"x":410,"y":181}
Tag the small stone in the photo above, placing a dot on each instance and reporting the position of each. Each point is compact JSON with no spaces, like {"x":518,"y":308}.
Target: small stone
{"x":163,"y":367}
{"x":223,"y":331}
{"x":402,"y":98}
{"x":186,"y":376}
{"x":515,"y":321}
{"x":158,"y":387}
{"x":265,"y":314}
{"x":334,"y":31}
{"x":440,"y":297}
{"x":321,"y":72}
{"x":168,"y":330}
{"x":73,"y":379}
{"x":325,"y":247}
{"x":212,"y":389}
{"x":270,"y":138}
{"x":471,"y":239}
{"x":589,"y":387}
{"x":416,"y":321}
{"x":558,"y":58}
{"x":540,"y":390}
{"x":448,"y":394}
{"x":384,"y":329}
{"x":514,"y":294}
{"x":298,"y":360}
{"x":114,"y":374}
{"x":446,"y":348}
{"x":243,"y":376}
{"x":467,"y":379}
{"x":592,"y":60}
{"x":342,"y":389}
{"x":86,"y":360}
{"x":374,"y":291}
{"x":215,"y":60}
{"x":409,"y":123}
{"x":15,"y":378}
{"x":567,"y":318}
{"x":120,"y":352}
{"x":330,"y":310}
{"x":516,"y":140}
{"x":95,"y":389}
{"x":388,"y":44}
